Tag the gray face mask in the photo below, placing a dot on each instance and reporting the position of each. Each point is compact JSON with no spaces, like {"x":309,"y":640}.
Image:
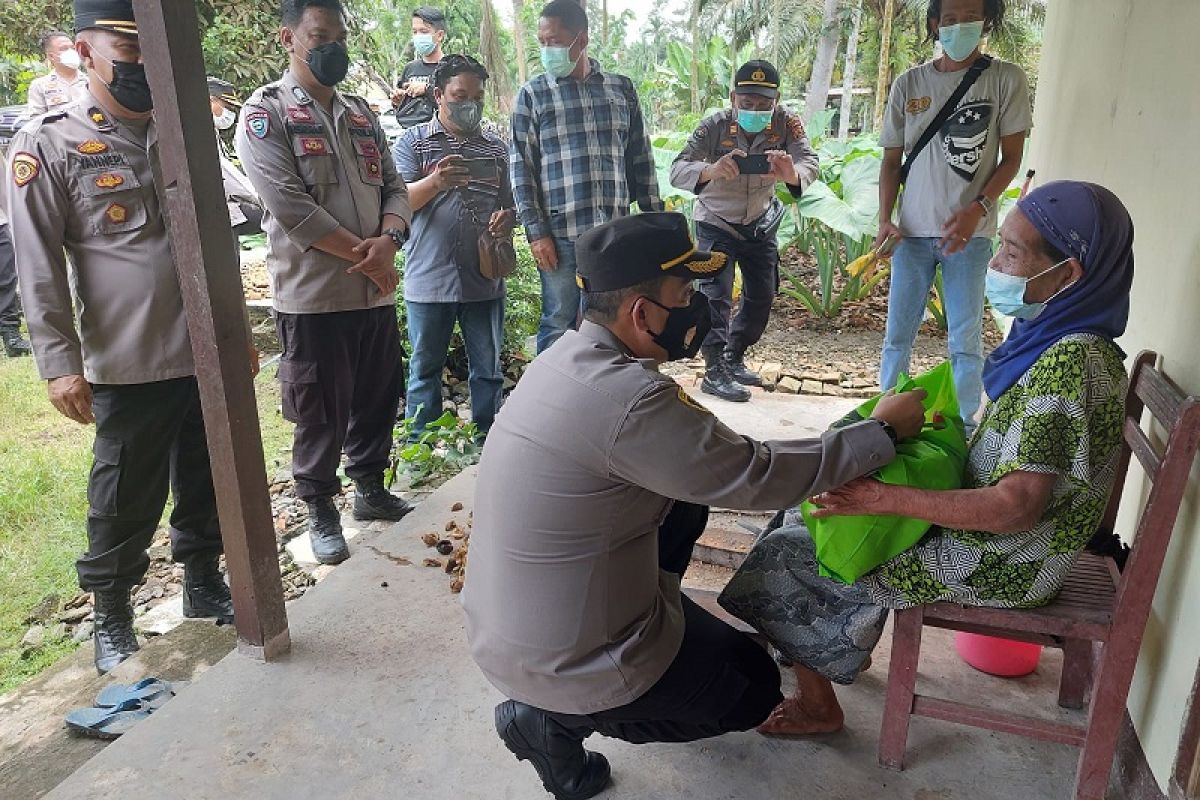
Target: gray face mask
{"x":466,"y":114}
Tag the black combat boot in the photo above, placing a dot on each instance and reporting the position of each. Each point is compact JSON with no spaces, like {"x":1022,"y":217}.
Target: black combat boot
{"x":113,"y":634}
{"x":15,"y":345}
{"x":204,"y":591}
{"x":567,"y":770}
{"x":717,"y":380}
{"x":735,"y":362}
{"x":372,"y":500}
{"x":325,"y":532}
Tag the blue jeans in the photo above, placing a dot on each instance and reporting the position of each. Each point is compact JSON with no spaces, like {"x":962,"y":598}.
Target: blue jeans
{"x":430,"y":326}
{"x":914,"y":265}
{"x":560,"y":297}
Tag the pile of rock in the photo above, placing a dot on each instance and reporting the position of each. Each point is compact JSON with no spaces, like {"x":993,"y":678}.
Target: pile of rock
{"x":777,"y":378}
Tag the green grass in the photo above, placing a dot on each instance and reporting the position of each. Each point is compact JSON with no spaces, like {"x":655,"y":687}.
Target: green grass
{"x":44,"y":464}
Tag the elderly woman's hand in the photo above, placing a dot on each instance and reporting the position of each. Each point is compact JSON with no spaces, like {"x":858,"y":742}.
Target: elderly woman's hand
{"x":862,"y":496}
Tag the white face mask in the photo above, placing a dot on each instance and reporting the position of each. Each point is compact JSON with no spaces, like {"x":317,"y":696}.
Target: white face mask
{"x":70,"y":59}
{"x":225,"y":121}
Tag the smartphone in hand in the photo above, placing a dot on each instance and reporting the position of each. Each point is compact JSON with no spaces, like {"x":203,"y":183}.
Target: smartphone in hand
{"x":756,"y":164}
{"x":482,"y":169}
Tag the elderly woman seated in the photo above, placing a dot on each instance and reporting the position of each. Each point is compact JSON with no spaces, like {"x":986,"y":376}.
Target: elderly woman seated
{"x":1040,"y":469}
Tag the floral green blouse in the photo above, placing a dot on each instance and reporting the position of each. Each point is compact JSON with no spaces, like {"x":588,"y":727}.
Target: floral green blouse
{"x":1063,"y":417}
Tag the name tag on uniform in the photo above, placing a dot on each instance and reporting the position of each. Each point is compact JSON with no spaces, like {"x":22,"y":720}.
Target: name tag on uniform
{"x":314,"y":145}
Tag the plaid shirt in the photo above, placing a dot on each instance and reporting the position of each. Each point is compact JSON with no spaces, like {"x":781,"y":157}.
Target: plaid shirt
{"x":579,"y":154}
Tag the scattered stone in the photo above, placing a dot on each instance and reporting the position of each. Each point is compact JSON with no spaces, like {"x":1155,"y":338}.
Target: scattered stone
{"x":456,"y":585}
{"x":445,"y":547}
{"x":457,"y":534}
{"x":451,"y":525}
{"x":432,"y":562}
{"x":788,"y":385}
{"x":83,"y":632}
{"x":83,"y":598}
{"x":812,"y":387}
{"x":383,"y":585}
{"x":831,"y":377}
{"x":451,"y":565}
{"x":44,"y":609}
{"x":771,"y":372}
{"x":430,"y":539}
{"x":57,"y":633}
{"x":456,"y":507}
{"x":74,"y":615}
{"x":34,"y":638}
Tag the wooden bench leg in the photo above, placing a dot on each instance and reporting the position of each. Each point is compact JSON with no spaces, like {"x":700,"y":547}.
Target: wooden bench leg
{"x":1076,"y":673}
{"x":902,"y":684}
{"x":1105,"y":719}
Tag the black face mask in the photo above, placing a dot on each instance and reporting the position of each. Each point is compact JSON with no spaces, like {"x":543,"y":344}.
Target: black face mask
{"x":129,"y":86}
{"x":329,"y":63}
{"x":695,"y":319}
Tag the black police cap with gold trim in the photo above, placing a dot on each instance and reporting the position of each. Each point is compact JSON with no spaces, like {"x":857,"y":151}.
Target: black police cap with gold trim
{"x":757,"y":77}
{"x":108,"y":15}
{"x":223,"y":91}
{"x":639,"y":248}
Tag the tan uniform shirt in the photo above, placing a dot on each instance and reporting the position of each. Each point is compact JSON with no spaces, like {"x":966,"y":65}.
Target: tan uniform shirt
{"x":566,"y":607}
{"x":315,"y":173}
{"x":743,"y":199}
{"x":80,"y":180}
{"x":51,"y":91}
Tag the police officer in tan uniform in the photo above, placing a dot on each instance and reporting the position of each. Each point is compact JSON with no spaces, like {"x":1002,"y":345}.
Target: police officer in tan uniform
{"x":83,"y":179}
{"x":592,"y":490}
{"x":64,"y":83}
{"x":737,"y":213}
{"x":336,"y":215}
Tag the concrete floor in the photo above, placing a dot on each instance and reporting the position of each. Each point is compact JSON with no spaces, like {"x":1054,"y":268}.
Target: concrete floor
{"x":379,"y":699}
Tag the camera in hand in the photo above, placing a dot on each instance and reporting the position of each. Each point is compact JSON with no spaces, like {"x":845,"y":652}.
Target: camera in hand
{"x":482,"y":169}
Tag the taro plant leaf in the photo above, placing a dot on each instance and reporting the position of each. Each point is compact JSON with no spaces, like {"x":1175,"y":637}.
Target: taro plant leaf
{"x":820,"y":203}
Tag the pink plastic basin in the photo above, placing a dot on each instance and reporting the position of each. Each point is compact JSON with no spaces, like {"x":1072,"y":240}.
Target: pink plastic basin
{"x":1002,"y":657}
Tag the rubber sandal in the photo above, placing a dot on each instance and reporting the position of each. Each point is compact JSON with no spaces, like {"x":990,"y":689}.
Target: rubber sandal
{"x":103,"y":723}
{"x":148,"y":693}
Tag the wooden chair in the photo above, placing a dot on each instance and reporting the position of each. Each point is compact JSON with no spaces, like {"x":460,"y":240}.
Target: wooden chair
{"x":1097,"y":620}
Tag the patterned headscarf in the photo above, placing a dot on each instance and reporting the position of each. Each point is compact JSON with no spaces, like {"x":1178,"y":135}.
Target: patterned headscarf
{"x":1086,"y":222}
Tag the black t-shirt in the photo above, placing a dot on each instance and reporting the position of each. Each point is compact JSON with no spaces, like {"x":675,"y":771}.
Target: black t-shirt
{"x":415,"y":110}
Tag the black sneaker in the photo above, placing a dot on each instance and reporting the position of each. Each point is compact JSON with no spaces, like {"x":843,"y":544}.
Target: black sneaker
{"x":568,"y":771}
{"x":15,"y":345}
{"x":718,"y":383}
{"x":113,"y":636}
{"x":373,"y":501}
{"x":325,"y":532}
{"x":205,"y":593}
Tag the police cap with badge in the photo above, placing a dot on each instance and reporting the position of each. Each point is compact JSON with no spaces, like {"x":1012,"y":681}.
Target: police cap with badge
{"x":639,"y":248}
{"x":107,"y":15}
{"x":223,"y":91}
{"x":757,"y":77}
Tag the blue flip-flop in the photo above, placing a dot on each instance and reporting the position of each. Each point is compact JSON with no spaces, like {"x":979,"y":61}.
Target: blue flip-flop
{"x":148,"y":693}
{"x":104,"y":723}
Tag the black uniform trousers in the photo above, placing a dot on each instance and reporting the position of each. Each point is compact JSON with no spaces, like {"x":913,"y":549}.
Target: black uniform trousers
{"x":759,"y":263}
{"x":10,"y":304}
{"x":148,"y":436}
{"x":341,"y":377}
{"x":720,"y":681}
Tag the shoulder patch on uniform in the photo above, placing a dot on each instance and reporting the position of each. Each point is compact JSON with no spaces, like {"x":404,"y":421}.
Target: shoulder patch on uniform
{"x":690,"y":402}
{"x":25,"y":168}
{"x":258,"y":124}
{"x":795,"y":125}
{"x":92,"y":147}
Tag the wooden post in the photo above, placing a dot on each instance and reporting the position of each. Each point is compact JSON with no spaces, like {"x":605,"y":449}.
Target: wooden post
{"x":209,"y":277}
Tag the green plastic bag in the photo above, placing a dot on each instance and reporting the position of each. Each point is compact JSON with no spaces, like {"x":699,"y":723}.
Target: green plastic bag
{"x":850,"y":547}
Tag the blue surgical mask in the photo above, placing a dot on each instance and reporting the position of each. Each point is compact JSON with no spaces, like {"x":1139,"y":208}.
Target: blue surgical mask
{"x":423,"y":44}
{"x":557,"y":61}
{"x":1006,"y":293}
{"x":754,"y":121}
{"x":959,"y":41}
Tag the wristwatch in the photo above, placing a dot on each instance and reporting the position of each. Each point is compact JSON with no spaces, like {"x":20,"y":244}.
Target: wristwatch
{"x":889,"y":430}
{"x":397,"y":236}
{"x":986,"y":203}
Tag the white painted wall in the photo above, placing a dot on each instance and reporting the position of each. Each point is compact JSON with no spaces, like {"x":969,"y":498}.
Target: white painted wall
{"x":1119,"y":104}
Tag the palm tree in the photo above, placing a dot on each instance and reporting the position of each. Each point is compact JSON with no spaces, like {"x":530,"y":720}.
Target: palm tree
{"x":848,"y":71}
{"x":822,"y":68}
{"x":518,"y":7}
{"x":885,"y":51}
